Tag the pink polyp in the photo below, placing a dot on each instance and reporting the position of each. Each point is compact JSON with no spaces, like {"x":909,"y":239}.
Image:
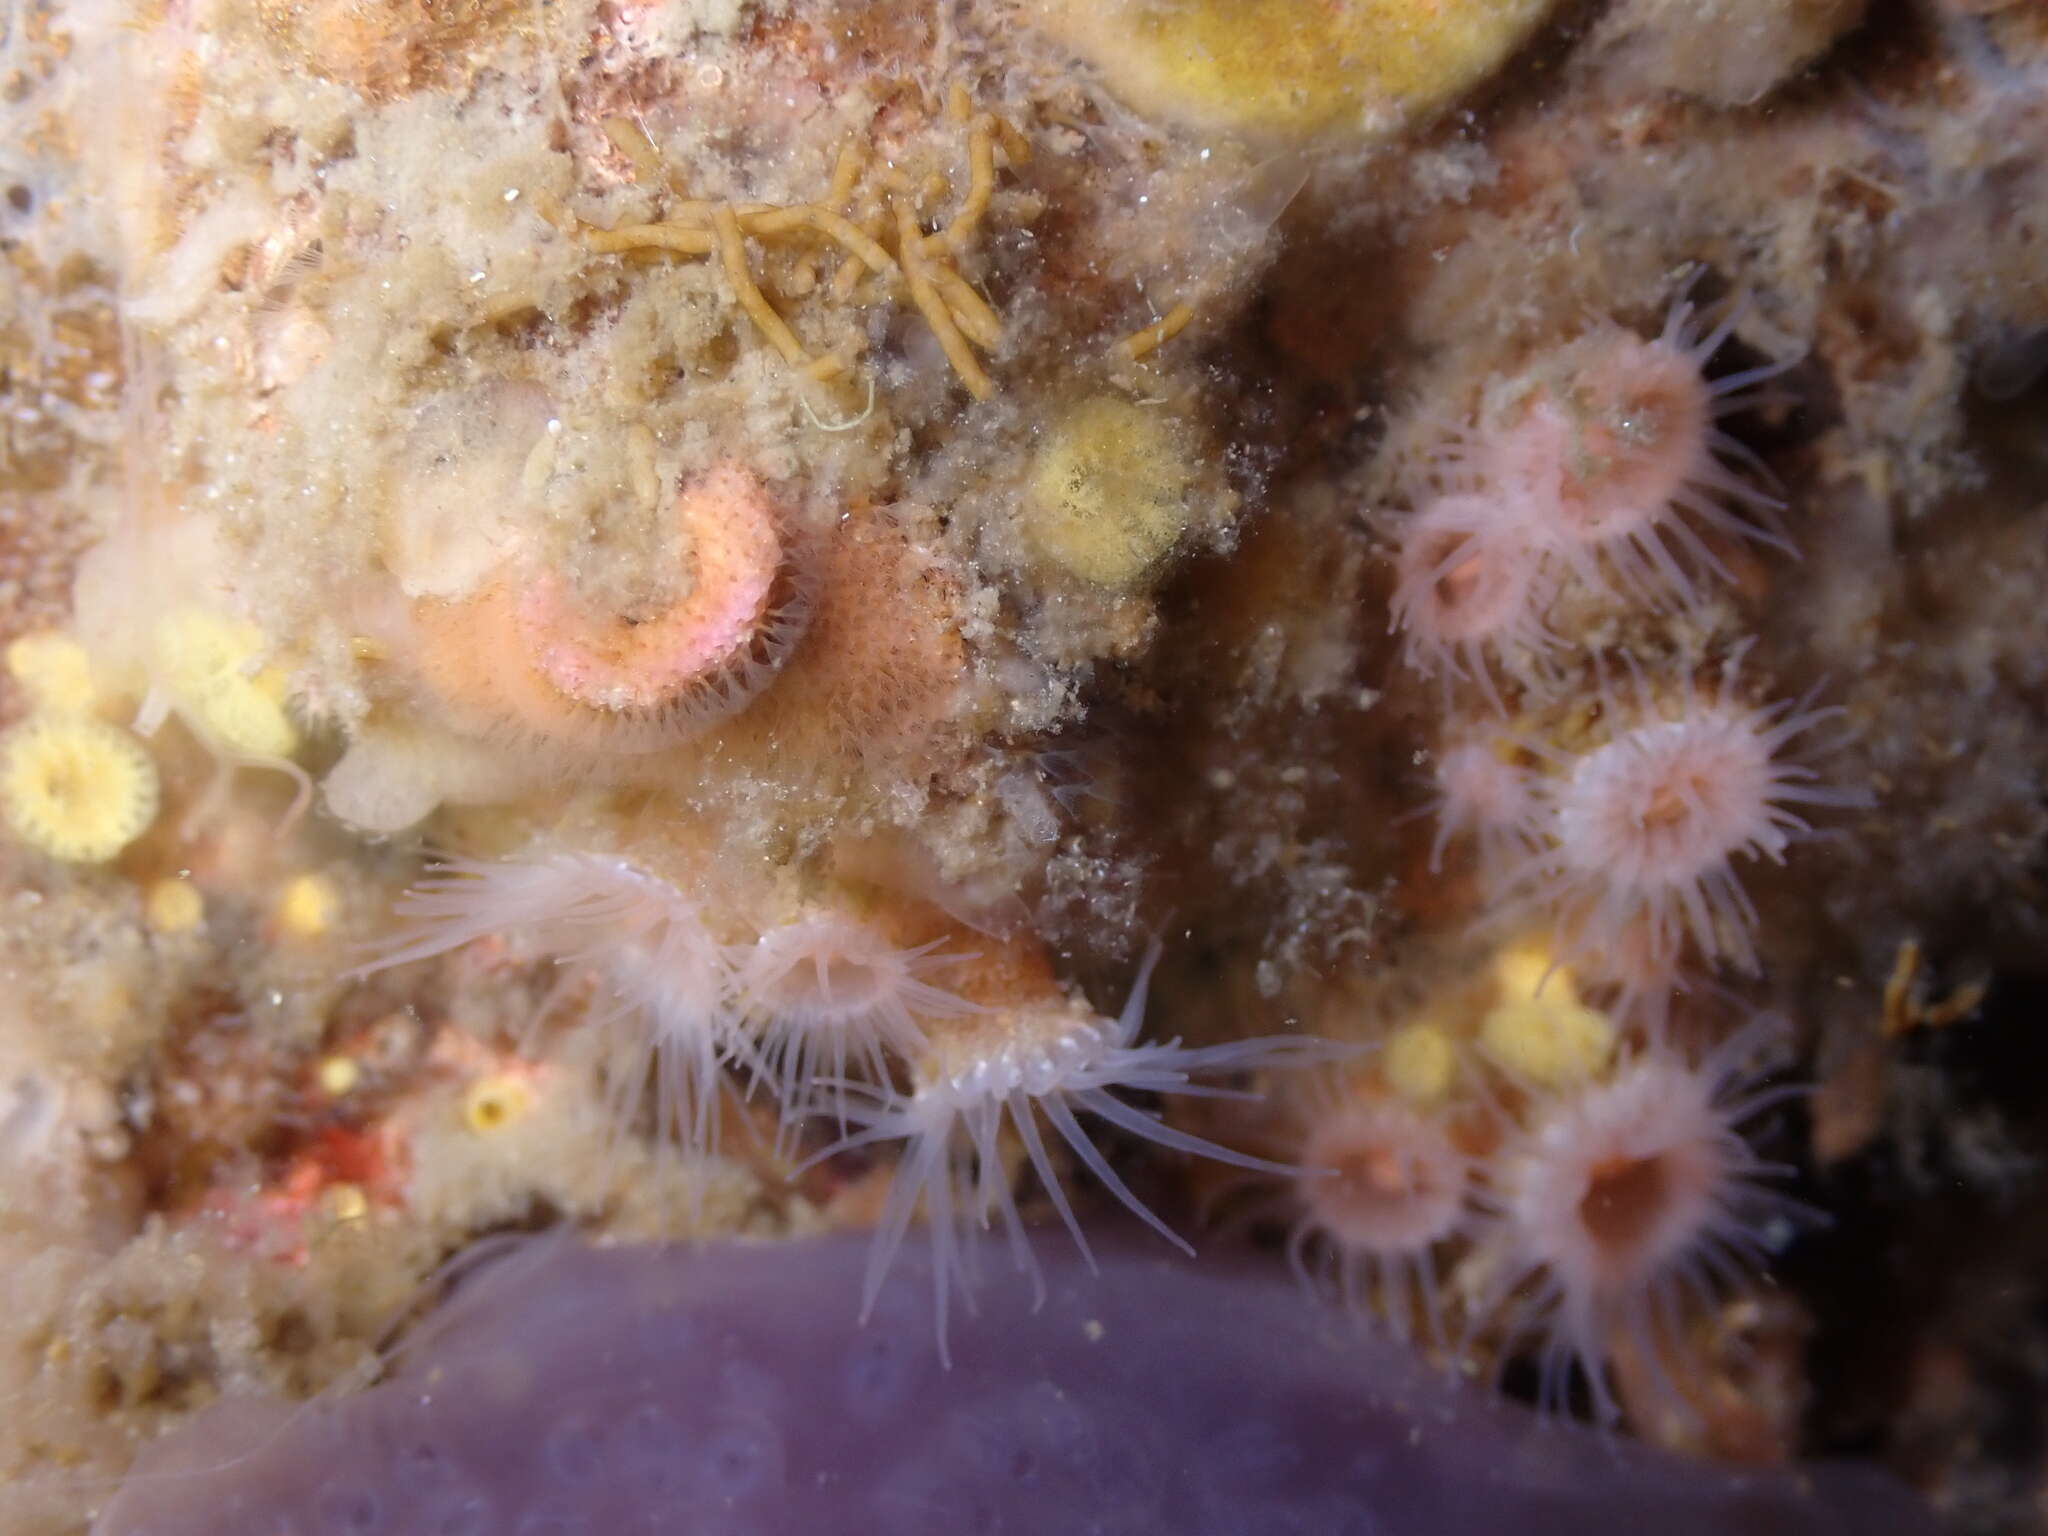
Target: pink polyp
{"x":614,"y":663}
{"x":1642,"y":435}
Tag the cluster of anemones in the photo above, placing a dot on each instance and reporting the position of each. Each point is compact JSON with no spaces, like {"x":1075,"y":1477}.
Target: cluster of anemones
{"x":1529,"y":1170}
{"x":1628,"y":839}
{"x":1594,"y":1188}
{"x":1607,"y":467}
{"x":1604,"y":465}
{"x":818,"y":997}
{"x":840,"y":1020}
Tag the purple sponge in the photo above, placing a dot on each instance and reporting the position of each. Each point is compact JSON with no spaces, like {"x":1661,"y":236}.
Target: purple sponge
{"x":727,"y":1391}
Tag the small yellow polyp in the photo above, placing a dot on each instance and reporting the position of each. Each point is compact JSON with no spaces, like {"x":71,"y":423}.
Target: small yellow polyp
{"x":345,"y":1202}
{"x":76,"y":788}
{"x":1528,"y":969}
{"x":1292,"y":69}
{"x":1419,"y":1063}
{"x":195,"y":648}
{"x":306,"y":906}
{"x":205,"y":659}
{"x":244,"y":714}
{"x":174,"y":906}
{"x":53,"y":670}
{"x":494,"y":1102}
{"x":338,"y":1075}
{"x":1108,"y":494}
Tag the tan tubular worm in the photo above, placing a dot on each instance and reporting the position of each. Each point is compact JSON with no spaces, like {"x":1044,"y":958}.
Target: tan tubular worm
{"x":631,"y":140}
{"x":845,"y":173}
{"x":981,"y":323}
{"x":706,"y":210}
{"x":981,"y":186}
{"x":1015,"y":145}
{"x":734,"y":255}
{"x":842,"y":229}
{"x":844,"y":280}
{"x":1156,"y":335}
{"x":681,"y":238}
{"x":933,"y":307}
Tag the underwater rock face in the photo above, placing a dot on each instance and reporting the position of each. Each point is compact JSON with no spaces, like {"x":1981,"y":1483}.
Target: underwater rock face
{"x":1400,"y":635}
{"x":575,"y":1389}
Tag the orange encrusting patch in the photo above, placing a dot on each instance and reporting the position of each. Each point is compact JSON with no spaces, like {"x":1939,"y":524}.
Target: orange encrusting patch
{"x":883,"y":664}
{"x":386,"y":50}
{"x":1006,"y":973}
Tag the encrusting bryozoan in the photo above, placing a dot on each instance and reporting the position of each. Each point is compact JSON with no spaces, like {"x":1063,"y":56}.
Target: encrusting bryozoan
{"x":1002,"y":1069}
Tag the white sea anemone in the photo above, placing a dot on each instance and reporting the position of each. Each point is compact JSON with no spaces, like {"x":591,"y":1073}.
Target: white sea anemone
{"x":664,"y":984}
{"x":1482,"y":790}
{"x":1621,"y":461}
{"x":1471,"y":586}
{"x":827,"y":994}
{"x":1003,"y":1070}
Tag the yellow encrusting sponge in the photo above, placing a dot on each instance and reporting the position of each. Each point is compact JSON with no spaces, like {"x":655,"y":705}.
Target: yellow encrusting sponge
{"x":307,"y":906}
{"x":1538,"y":1028}
{"x":173,"y":906}
{"x":1420,"y":1063}
{"x":1293,"y":69}
{"x":75,"y":787}
{"x":1108,"y":495}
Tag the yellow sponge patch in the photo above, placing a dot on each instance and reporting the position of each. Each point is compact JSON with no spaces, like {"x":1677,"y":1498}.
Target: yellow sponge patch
{"x":1293,"y":68}
{"x":1419,"y":1063}
{"x":1527,"y":970}
{"x":1548,"y":1042}
{"x":174,"y":906}
{"x":1538,"y":1028}
{"x":307,"y":906}
{"x":75,"y":787}
{"x":196,"y":648}
{"x":1109,"y":492}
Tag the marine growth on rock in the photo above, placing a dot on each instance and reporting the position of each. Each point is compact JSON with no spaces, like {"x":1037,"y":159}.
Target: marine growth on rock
{"x":1398,"y":639}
